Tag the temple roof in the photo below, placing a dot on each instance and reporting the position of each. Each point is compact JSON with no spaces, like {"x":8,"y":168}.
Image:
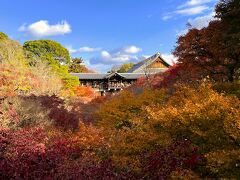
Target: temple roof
{"x":89,"y":75}
{"x":142,"y":65}
{"x":95,"y":76}
{"x":138,"y":70}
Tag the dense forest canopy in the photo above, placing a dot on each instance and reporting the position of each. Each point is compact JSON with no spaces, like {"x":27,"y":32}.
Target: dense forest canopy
{"x":182,"y":124}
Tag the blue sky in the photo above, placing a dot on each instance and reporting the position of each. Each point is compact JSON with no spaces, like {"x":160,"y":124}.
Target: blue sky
{"x":105,"y":33}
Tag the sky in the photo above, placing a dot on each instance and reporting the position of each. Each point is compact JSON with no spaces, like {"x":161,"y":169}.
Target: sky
{"x":106,"y":33}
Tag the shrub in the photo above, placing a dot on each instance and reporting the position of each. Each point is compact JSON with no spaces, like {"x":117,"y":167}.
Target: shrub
{"x":229,"y":88}
{"x":17,"y":112}
{"x":210,"y":121}
{"x":162,"y":163}
{"x":23,"y":154}
{"x":82,"y":91}
{"x":122,"y":109}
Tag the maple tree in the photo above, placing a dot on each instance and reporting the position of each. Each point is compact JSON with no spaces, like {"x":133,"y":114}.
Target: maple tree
{"x":214,"y":50}
{"x":174,"y":125}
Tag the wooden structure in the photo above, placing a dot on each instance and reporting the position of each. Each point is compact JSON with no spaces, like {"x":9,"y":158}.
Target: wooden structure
{"x":111,"y":82}
{"x":152,"y":65}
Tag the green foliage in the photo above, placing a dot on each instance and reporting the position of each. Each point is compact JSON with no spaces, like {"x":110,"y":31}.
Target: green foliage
{"x":125,"y":67}
{"x":181,"y":131}
{"x":11,"y":52}
{"x":16,"y":76}
{"x":47,"y":49}
{"x":229,"y":13}
{"x":70,"y":81}
{"x":3,"y":36}
{"x":55,"y":55}
{"x":77,"y":67}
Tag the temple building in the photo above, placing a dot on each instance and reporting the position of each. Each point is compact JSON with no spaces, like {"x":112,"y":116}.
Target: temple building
{"x":111,"y":82}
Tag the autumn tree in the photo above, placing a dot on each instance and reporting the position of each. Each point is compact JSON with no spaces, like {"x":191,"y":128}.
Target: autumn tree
{"x":228,"y":11}
{"x":204,"y":122}
{"x":76,"y":66}
{"x":214,"y":50}
{"x":125,"y":67}
{"x":55,"y":55}
{"x":16,"y":76}
{"x":3,"y":35}
{"x":47,"y":50}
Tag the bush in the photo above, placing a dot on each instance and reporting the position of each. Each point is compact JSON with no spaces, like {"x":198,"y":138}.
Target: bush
{"x":81,"y":91}
{"x":200,"y":115}
{"x":17,"y":112}
{"x":229,"y":88}
{"x":61,"y":116}
{"x":122,"y":109}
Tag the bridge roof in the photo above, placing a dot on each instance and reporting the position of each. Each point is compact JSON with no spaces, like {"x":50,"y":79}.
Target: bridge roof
{"x":96,"y":76}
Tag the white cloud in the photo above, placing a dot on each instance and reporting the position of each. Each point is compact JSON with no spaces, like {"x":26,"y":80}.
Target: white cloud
{"x":42,"y":28}
{"x":117,"y":56}
{"x":99,"y":67}
{"x":105,"y":55}
{"x":131,"y":49}
{"x":198,"y":23}
{"x":84,"y":49}
{"x":143,"y":57}
{"x":195,"y":3}
{"x":190,"y":8}
{"x":181,"y":32}
{"x":167,"y":17}
{"x":108,"y":59}
{"x":169,"y":58}
{"x":201,"y":21}
{"x":192,"y":11}
{"x":88,"y":49}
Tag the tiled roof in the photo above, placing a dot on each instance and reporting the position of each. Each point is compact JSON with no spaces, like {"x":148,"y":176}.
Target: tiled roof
{"x":141,"y":66}
{"x":138,"y":70}
{"x":132,"y":75}
{"x":89,"y":75}
{"x":95,"y":76}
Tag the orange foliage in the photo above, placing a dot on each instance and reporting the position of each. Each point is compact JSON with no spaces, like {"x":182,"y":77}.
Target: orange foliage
{"x":82,"y":91}
{"x":15,"y":81}
{"x":136,"y":123}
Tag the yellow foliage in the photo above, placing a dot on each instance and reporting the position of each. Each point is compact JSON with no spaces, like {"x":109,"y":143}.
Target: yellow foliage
{"x":17,"y":77}
{"x":121,"y":111}
{"x":11,"y":52}
{"x":184,"y":174}
{"x":126,"y":145}
{"x":224,"y":163}
{"x":139,"y":123}
{"x":201,"y":115}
